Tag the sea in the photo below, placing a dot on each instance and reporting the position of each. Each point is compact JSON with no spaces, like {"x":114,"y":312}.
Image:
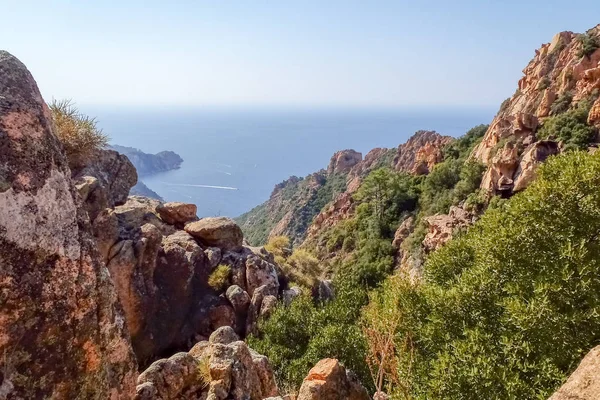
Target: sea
{"x":233,"y":157}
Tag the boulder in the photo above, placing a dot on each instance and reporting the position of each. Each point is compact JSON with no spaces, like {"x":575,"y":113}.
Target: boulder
{"x":213,"y":254}
{"x":256,"y":306}
{"x":239,"y":298}
{"x":260,"y":272}
{"x":223,"y":335}
{"x":176,"y":213}
{"x":268,"y":306}
{"x":104,"y":180}
{"x":584,"y":383}
{"x":61,"y":326}
{"x":329,"y":380}
{"x":443,"y":226}
{"x":220,"y":232}
{"x":290,"y":294}
{"x":217,"y":370}
{"x":594,"y":115}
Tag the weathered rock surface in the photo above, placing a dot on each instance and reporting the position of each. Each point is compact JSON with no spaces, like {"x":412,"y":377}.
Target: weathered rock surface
{"x":534,"y":155}
{"x":220,"y":232}
{"x":443,"y":226}
{"x":104,"y":181}
{"x":421,"y":152}
{"x":342,"y":161}
{"x":62,"y":333}
{"x":222,"y":368}
{"x":584,"y":383}
{"x":176,"y":213}
{"x":557,"y":71}
{"x":161,"y":275}
{"x":329,"y":380}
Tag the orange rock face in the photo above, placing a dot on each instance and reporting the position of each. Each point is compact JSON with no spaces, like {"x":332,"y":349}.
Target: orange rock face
{"x":421,"y":152}
{"x":329,"y":380}
{"x":557,"y":70}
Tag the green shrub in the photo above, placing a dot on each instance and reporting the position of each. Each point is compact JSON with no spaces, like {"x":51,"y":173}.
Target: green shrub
{"x":219,"y":278}
{"x":544,"y":83}
{"x":507,"y":310}
{"x":562,"y":103}
{"x":462,"y":146}
{"x":78,"y":133}
{"x":589,"y":44}
{"x":571,"y":127}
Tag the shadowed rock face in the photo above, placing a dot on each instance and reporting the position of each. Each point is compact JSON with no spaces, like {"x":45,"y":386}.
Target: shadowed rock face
{"x":62,"y":333}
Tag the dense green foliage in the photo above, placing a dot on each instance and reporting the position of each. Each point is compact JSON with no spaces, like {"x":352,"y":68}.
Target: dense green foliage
{"x":570,"y":127}
{"x":506,"y":310}
{"x":358,"y":253}
{"x":304,"y":198}
{"x":589,"y":44}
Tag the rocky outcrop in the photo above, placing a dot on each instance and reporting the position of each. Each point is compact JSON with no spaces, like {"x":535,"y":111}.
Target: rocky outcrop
{"x":329,"y":380}
{"x":421,"y":152}
{"x":341,"y":208}
{"x":443,"y":226}
{"x":558,"y":75}
{"x":62,"y":333}
{"x":176,"y":213}
{"x":534,"y":155}
{"x":584,"y":383}
{"x":161,"y":273}
{"x":220,"y":232}
{"x":148,"y":164}
{"x":342,"y":161}
{"x":221,"y":368}
{"x":104,"y":181}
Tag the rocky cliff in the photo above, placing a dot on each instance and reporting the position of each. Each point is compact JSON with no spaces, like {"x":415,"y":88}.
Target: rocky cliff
{"x":62,"y":331}
{"x":563,"y":76}
{"x":294,"y":202}
{"x":300,"y":207}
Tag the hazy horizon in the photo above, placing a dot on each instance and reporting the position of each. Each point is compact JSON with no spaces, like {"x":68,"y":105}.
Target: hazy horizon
{"x":265,"y":54}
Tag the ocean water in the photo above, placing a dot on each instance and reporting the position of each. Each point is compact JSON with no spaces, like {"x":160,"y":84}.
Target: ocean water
{"x":234,"y":157}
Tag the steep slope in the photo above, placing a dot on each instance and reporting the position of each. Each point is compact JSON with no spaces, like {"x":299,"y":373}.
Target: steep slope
{"x":296,"y":206}
{"x":62,"y":333}
{"x":562,"y":79}
{"x":294,"y":202}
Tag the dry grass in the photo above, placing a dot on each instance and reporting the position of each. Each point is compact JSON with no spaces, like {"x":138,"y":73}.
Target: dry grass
{"x":78,"y":132}
{"x":204,"y":371}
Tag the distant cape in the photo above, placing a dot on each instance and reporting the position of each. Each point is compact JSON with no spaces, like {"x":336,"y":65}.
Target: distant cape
{"x":149,"y":164}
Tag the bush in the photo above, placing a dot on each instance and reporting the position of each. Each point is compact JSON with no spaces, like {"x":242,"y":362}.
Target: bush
{"x":507,"y":310}
{"x":562,"y":103}
{"x":303,"y":267}
{"x":219,"y":278}
{"x":78,"y":133}
{"x":462,"y":146}
{"x":571,"y":127}
{"x":589,"y":44}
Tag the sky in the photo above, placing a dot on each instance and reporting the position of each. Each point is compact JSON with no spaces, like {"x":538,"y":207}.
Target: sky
{"x":284,"y":53}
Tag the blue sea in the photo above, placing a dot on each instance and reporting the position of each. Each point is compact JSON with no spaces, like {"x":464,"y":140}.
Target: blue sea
{"x":234,"y":157}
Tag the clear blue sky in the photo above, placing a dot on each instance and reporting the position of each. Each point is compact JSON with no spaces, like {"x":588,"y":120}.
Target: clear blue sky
{"x":289,"y":53}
